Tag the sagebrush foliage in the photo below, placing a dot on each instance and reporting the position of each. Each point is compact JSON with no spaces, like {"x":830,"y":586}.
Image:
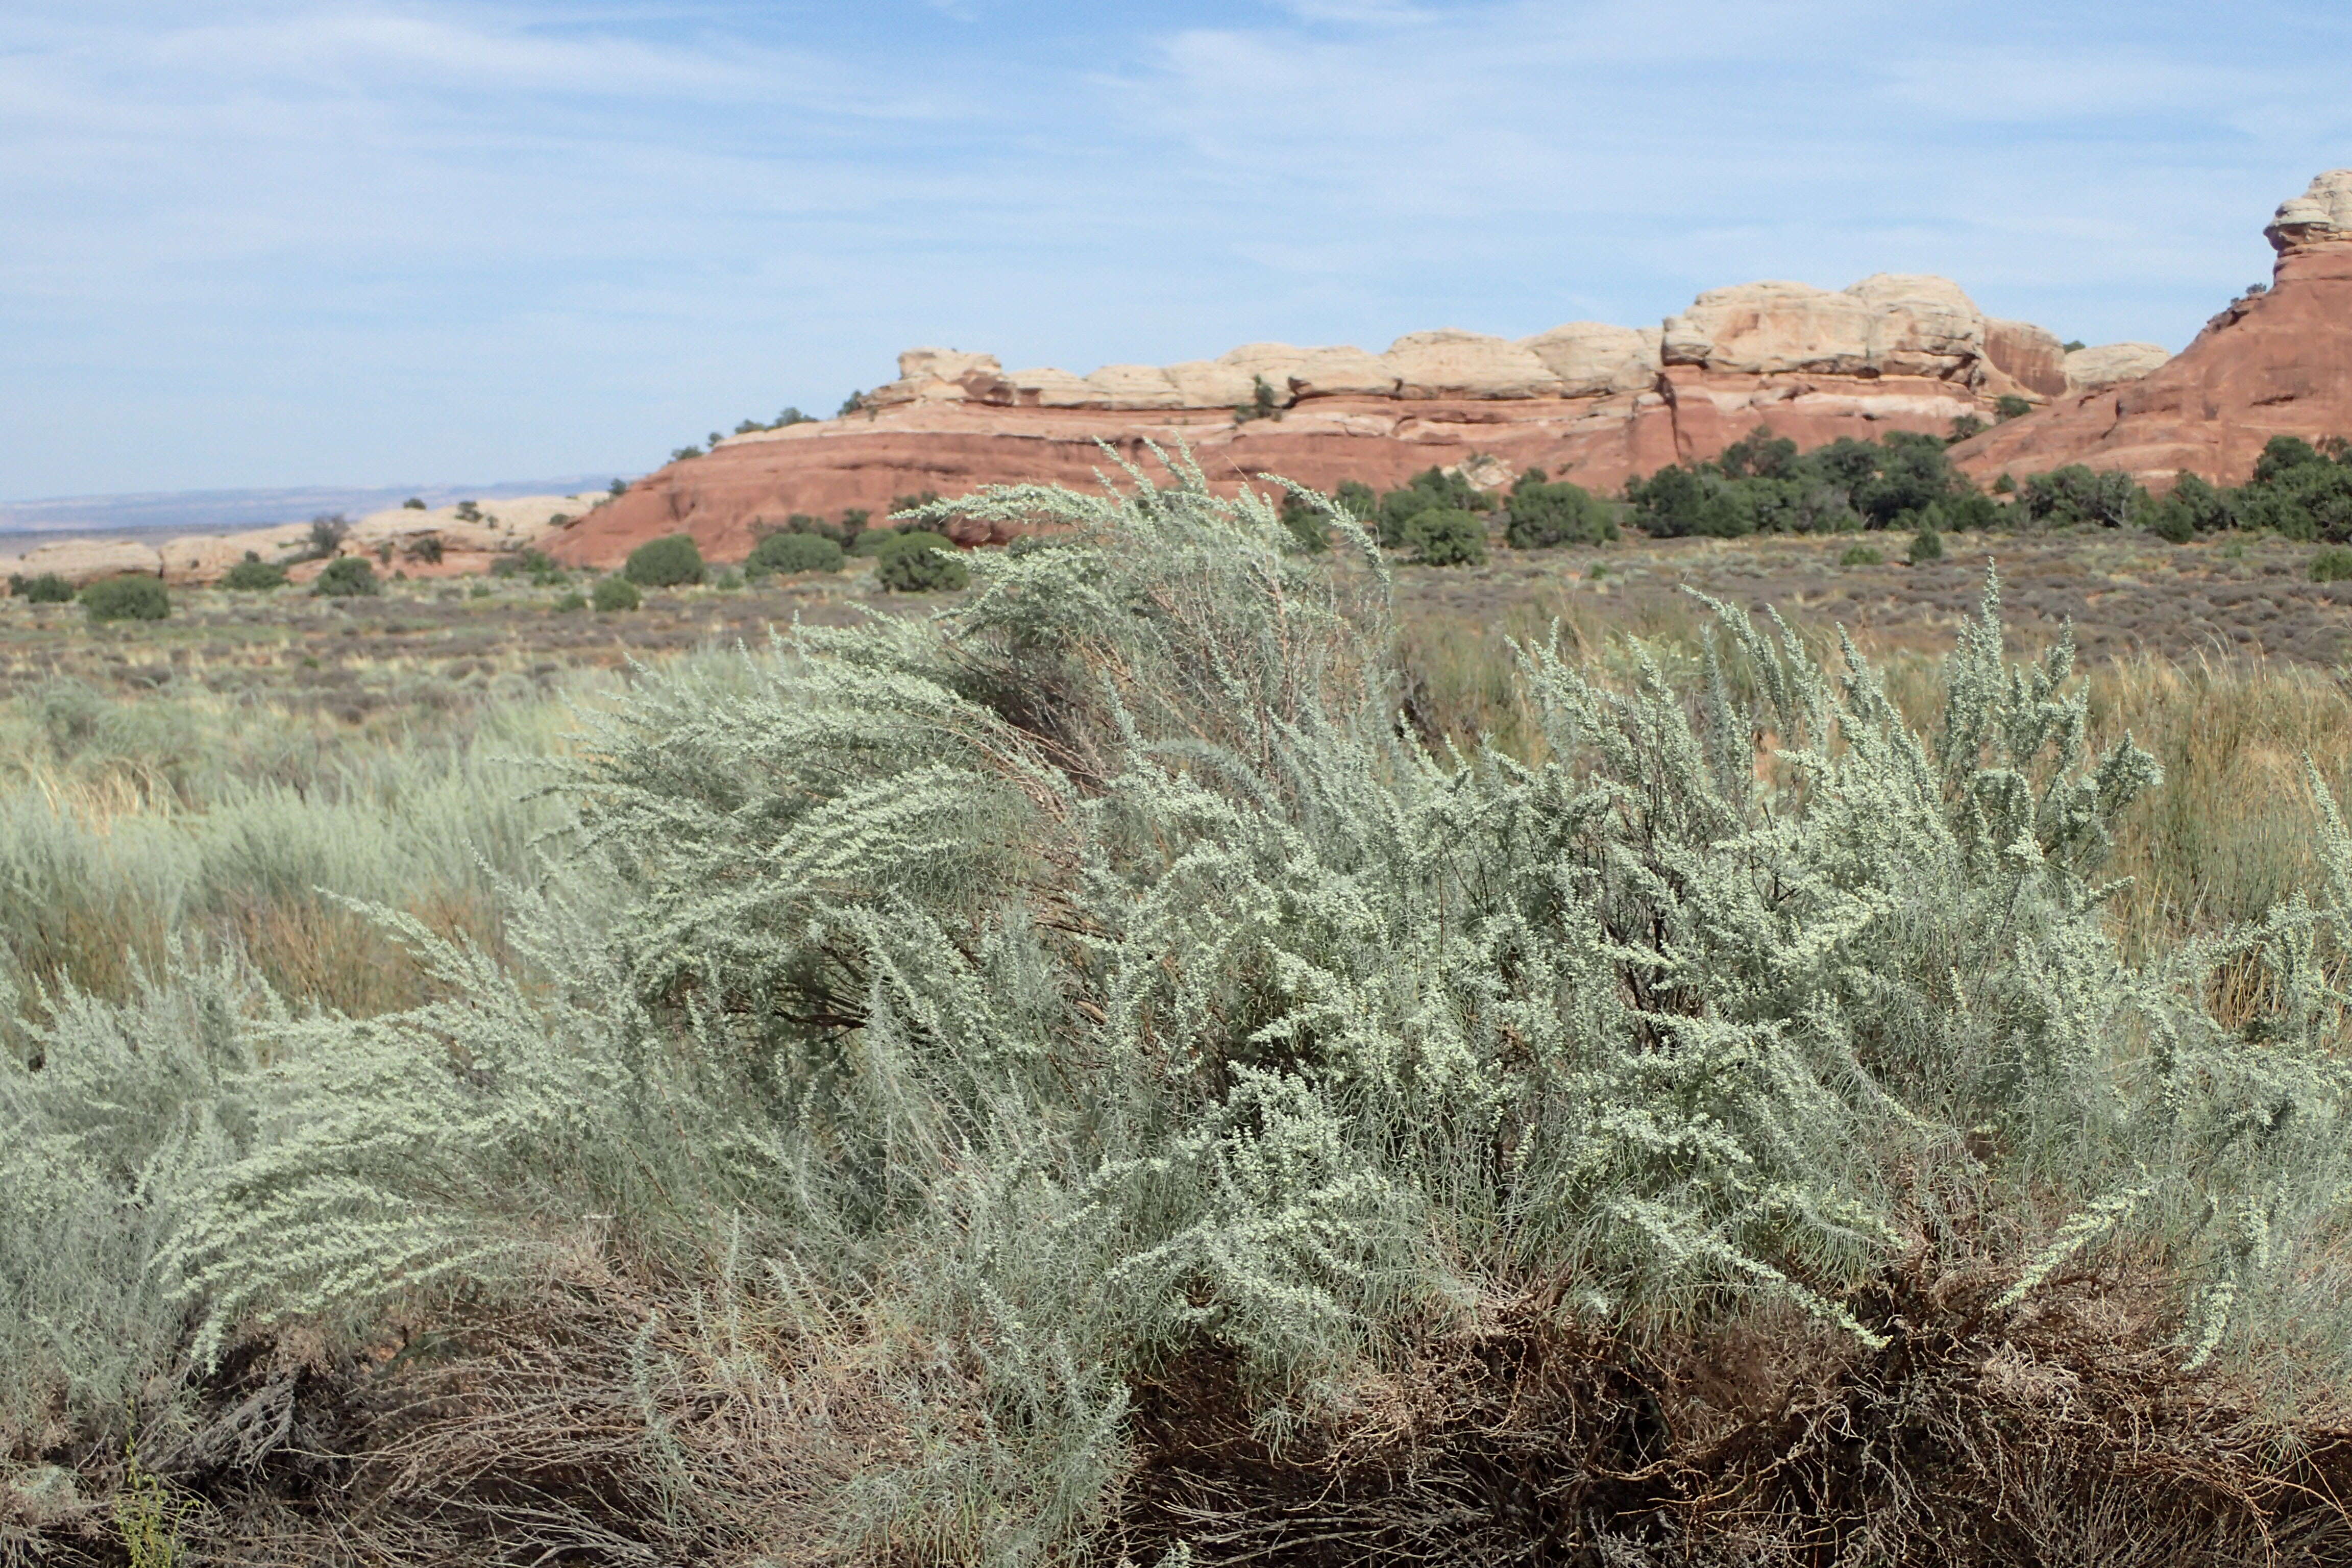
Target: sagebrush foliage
{"x":1099,"y":969}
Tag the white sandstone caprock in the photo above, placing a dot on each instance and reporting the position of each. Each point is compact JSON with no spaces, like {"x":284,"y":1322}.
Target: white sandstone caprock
{"x":2111,"y":364}
{"x":2321,"y":216}
{"x":1451,"y":362}
{"x":1592,"y":358}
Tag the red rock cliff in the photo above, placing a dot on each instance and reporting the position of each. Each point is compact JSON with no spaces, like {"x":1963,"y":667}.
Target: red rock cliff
{"x":1590,"y":402}
{"x":2275,"y":362}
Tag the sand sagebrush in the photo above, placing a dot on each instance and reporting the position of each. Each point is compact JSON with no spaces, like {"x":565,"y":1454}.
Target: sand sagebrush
{"x":1077,"y":1073}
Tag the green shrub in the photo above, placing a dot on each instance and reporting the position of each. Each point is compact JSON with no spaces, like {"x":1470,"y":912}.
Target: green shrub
{"x":1759,"y":455}
{"x":328,"y":532}
{"x":572,"y":601}
{"x":1265,"y":403}
{"x":1762,"y":484}
{"x":1862,"y":556}
{"x":1308,"y":521}
{"x":348,"y":577}
{"x":126,"y":599}
{"x":1926,"y":545}
{"x":2077,"y":494}
{"x":786,"y":554}
{"x":1447,"y":536}
{"x":615,"y":593}
{"x":254,"y":575}
{"x":667,"y":562}
{"x":1680,"y":502}
{"x":1429,"y":491}
{"x":521,"y":562}
{"x":2192,"y":507}
{"x":48,"y":588}
{"x":2333,"y":564}
{"x":2299,"y":491}
{"x":1543,"y":515}
{"x":2285,"y":457}
{"x":1961,"y":513}
{"x":2009,"y":406}
{"x":919,"y":562}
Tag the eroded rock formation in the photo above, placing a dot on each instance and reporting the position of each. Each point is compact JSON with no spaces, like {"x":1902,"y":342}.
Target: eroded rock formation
{"x":2111,"y":364}
{"x":2276,"y":362}
{"x":81,"y":561}
{"x":1586,"y":400}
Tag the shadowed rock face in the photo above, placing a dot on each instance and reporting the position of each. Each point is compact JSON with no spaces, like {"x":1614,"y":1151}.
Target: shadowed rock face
{"x":1587,"y":401}
{"x":2276,"y":362}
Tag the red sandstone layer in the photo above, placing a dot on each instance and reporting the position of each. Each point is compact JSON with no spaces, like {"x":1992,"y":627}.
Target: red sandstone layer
{"x":750,"y":484}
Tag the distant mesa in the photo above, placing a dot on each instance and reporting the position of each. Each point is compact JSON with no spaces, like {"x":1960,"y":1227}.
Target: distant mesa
{"x":2277,"y":361}
{"x":1588,"y":400}
{"x":422,"y":541}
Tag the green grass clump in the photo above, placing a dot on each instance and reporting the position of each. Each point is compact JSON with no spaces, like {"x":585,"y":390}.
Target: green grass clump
{"x":2331,"y":566}
{"x":616,"y":593}
{"x":126,"y":599}
{"x":1862,"y":556}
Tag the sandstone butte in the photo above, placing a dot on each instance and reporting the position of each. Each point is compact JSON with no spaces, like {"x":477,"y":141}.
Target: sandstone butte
{"x":1590,"y":402}
{"x":2276,"y":362}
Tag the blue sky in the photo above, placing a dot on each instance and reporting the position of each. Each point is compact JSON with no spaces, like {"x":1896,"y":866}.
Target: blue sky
{"x":283,"y":242}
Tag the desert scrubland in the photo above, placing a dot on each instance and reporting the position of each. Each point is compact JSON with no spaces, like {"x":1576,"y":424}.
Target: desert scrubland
{"x":1214,"y":1042}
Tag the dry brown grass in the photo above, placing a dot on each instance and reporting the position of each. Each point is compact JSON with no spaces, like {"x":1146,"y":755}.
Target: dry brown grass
{"x":2071,"y":1437}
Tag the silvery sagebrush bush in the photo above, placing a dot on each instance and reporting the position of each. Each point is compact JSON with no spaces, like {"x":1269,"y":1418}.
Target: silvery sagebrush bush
{"x":1098,"y":967}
